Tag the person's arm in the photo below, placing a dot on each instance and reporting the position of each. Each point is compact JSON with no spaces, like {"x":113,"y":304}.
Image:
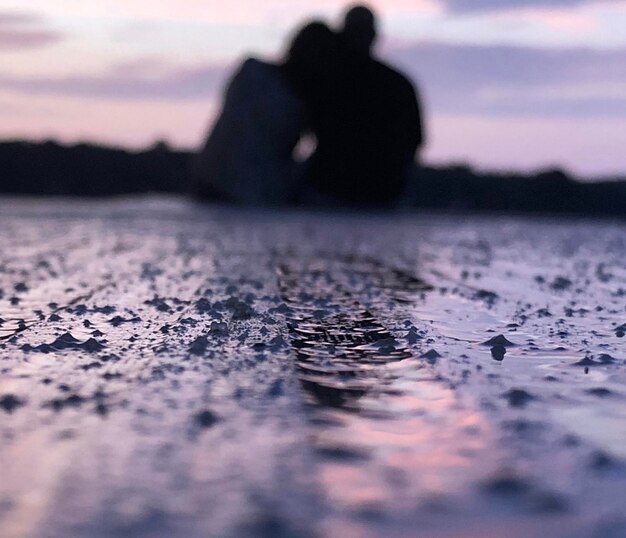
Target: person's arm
{"x":416,"y":127}
{"x":411,"y":128}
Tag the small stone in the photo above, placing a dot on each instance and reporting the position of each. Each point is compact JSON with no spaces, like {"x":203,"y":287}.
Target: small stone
{"x":239,"y":309}
{"x":561,"y":283}
{"x":601,"y":461}
{"x":600,"y":392}
{"x":203,"y":306}
{"x":518,"y":397}
{"x":199,"y":345}
{"x":10,"y":403}
{"x":413,"y":336}
{"x":58,"y":404}
{"x":605,"y":358}
{"x":116,"y":321}
{"x":586,"y":362}
{"x":506,"y":484}
{"x":206,"y":419}
{"x":218,"y":329}
{"x":431,"y":356}
{"x":276,"y":389}
{"x":498,"y":352}
{"x":499,"y":340}
{"x":92,"y":345}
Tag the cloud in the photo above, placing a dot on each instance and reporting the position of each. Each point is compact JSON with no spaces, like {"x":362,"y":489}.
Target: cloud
{"x":485,"y":80}
{"x":18,"y":17}
{"x":218,"y":11}
{"x":24,"y":31}
{"x":8,"y":108}
{"x":505,"y":80}
{"x":499,"y":5}
{"x":144,"y":81}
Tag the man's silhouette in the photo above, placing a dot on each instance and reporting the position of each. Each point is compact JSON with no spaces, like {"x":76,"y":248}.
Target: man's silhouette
{"x":368,"y":127}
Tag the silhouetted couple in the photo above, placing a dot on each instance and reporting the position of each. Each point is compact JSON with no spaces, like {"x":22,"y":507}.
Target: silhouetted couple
{"x":364,"y":115}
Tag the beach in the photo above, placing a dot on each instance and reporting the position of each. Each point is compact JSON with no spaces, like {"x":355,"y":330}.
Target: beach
{"x":176,"y":369}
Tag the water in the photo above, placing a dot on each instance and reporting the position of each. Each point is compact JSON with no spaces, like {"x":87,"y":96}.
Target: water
{"x":176,"y":370}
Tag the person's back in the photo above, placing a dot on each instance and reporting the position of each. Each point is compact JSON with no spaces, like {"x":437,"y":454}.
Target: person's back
{"x":367,"y":135}
{"x":247,"y":157}
{"x":367,"y":130}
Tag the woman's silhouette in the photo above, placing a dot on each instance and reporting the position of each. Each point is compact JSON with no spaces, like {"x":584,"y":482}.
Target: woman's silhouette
{"x":248,"y":156}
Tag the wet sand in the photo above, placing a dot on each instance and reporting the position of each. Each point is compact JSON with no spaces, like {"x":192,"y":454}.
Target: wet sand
{"x":173,"y":370}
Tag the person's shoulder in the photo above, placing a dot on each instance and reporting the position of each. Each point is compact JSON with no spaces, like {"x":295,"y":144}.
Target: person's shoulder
{"x":393,"y":75}
{"x":252,"y":69}
{"x":257,"y":63}
{"x":252,"y":65}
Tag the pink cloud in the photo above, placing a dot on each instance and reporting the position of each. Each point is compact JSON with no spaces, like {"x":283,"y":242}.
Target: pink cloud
{"x":242,"y":11}
{"x":19,"y":40}
{"x":508,"y":142}
{"x":513,"y":5}
{"x":494,"y":80}
{"x":146,"y":79}
{"x":130,"y":123}
{"x":522,"y":143}
{"x":559,"y":20}
{"x":20,"y":31}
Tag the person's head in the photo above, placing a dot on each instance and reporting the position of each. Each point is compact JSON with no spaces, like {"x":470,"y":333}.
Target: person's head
{"x":311,"y":46}
{"x":359,"y":29}
{"x":309,"y":58}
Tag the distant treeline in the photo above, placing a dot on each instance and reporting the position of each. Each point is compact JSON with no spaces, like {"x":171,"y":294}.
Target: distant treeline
{"x":49,"y":168}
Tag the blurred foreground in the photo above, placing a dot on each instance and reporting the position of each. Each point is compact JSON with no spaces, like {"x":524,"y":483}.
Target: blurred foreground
{"x":173,"y":370}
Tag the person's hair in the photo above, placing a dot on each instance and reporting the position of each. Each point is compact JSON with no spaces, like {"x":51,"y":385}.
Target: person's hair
{"x":310,"y":44}
{"x":310,"y":55}
{"x":359,"y":28}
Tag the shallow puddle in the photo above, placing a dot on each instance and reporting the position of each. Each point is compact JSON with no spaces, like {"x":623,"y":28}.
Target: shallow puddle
{"x":187,"y":371}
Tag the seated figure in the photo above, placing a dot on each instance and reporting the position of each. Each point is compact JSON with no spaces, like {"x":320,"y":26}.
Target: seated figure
{"x":248,"y":155}
{"x":368,"y":128}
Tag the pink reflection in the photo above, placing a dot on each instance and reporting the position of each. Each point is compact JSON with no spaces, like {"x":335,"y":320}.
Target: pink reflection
{"x":427,"y":447}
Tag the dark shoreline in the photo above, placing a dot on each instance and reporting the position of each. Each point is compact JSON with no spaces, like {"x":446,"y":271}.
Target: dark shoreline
{"x":53,"y":169}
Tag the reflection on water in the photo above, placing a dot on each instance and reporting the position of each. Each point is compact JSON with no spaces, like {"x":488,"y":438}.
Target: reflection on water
{"x":605,"y":425}
{"x":403,"y":434}
{"x":391,"y":437}
{"x":338,"y":344}
{"x":410,"y":450}
{"x":190,"y":422}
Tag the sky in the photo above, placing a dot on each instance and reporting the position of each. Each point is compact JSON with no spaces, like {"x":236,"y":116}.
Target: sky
{"x":505,"y":84}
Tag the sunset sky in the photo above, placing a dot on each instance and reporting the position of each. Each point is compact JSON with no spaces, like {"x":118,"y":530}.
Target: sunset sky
{"x":515,"y":84}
